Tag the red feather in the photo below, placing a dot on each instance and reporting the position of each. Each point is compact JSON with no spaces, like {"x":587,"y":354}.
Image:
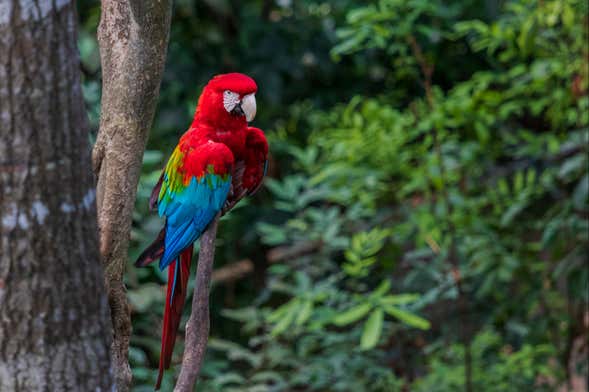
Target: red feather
{"x":255,"y":159}
{"x":173,"y":310}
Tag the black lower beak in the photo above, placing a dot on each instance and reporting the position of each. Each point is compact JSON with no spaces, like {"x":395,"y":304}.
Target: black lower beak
{"x":237,"y":110}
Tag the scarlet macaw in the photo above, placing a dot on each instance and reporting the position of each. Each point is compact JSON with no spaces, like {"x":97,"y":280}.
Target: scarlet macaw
{"x":218,"y":160}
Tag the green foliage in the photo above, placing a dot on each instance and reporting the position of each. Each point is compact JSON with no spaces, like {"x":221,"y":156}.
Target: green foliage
{"x":499,"y":367}
{"x":363,"y":248}
{"x":431,"y":161}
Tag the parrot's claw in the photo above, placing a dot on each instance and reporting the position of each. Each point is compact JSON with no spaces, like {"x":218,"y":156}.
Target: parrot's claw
{"x":231,"y":202}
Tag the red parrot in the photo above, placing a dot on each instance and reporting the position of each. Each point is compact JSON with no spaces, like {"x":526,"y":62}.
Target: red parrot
{"x":218,"y":160}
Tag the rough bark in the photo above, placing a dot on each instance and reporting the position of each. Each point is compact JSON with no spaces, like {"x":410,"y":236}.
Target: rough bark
{"x":133,"y":38}
{"x":198,"y":325}
{"x":54,"y":317}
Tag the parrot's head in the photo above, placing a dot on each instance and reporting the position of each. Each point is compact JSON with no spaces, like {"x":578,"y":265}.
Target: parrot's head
{"x":228,"y":98}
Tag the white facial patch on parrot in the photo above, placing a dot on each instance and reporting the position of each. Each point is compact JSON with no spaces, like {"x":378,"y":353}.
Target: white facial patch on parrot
{"x":230,"y":99}
{"x":248,"y":104}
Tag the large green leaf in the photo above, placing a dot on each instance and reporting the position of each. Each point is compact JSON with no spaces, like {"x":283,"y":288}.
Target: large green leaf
{"x":407,"y":317}
{"x":372,"y":330}
{"x":399,"y":299}
{"x":304,"y":312}
{"x":353,"y":314}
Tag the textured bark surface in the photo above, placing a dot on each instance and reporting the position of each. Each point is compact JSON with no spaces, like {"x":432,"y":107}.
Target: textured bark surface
{"x":133,"y":37}
{"x":54,"y":318}
{"x":198,"y":325}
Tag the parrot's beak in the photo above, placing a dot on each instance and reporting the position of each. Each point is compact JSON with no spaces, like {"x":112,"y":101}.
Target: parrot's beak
{"x":248,"y":106}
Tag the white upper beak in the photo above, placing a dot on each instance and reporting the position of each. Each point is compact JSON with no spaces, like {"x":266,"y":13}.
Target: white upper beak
{"x":248,"y":105}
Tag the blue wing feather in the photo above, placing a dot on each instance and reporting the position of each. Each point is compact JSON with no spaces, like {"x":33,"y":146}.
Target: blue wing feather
{"x":190,"y":211}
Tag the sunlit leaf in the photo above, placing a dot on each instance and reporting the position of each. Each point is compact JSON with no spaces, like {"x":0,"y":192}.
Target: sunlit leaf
{"x":407,"y":317}
{"x":372,"y":330}
{"x":353,"y":314}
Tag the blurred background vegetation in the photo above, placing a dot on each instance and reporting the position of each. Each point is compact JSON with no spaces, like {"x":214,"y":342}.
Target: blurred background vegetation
{"x":424,"y":224}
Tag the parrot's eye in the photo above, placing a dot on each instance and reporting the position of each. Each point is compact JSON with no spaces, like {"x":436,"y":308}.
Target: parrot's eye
{"x":230,"y":100}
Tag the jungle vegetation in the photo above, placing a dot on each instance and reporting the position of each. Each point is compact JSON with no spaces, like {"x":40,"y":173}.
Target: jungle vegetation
{"x":424,"y":222}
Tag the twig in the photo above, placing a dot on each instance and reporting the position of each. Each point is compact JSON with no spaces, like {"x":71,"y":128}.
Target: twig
{"x":290,"y":252}
{"x":427,"y":69}
{"x":197,"y":328}
{"x":232,"y":272}
{"x":239,"y":269}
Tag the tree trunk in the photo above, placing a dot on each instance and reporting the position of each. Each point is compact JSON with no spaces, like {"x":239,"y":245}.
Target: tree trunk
{"x":54,"y":317}
{"x":133,"y":38}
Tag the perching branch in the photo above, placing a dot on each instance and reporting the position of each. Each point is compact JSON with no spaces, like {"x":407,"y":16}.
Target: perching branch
{"x":197,"y":328}
{"x":133,"y":38}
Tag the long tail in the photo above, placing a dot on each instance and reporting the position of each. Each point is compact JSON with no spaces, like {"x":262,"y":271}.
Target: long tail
{"x":178,"y":272}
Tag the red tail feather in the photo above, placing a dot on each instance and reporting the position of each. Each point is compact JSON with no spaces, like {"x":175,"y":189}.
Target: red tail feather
{"x":173,"y":309}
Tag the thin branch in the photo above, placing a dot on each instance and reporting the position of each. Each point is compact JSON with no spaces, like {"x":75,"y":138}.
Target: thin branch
{"x":427,"y":69}
{"x":281,"y":253}
{"x":233,"y":271}
{"x":197,"y":328}
{"x":239,"y":269}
